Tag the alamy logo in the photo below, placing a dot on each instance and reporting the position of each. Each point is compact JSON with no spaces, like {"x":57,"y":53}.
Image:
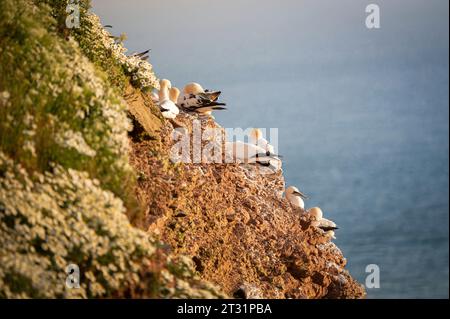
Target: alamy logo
{"x":373,"y":279}
{"x":73,"y":276}
{"x":226,"y":145}
{"x":373,"y":17}
{"x":73,"y":14}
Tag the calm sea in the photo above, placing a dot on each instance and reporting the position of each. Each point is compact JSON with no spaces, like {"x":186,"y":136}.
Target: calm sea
{"x":362,"y":114}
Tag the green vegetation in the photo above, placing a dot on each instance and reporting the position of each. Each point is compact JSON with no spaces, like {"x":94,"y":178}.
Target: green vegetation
{"x":57,"y":107}
{"x":61,"y":218}
{"x":65,"y":180}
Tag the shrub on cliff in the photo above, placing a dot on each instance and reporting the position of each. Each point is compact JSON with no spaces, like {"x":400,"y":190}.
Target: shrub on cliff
{"x":60,"y":108}
{"x":51,"y":220}
{"x":103,"y":48}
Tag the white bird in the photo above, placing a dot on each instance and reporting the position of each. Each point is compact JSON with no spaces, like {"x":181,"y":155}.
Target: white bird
{"x":253,"y":154}
{"x":318,"y":221}
{"x":196,"y":99}
{"x":168,"y":108}
{"x":295,"y":197}
{"x":256,"y":137}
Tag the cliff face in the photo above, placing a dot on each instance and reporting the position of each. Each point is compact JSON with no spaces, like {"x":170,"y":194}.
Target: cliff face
{"x":232,"y":220}
{"x":80,"y":185}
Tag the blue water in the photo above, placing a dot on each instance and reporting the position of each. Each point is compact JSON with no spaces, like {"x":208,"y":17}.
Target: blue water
{"x":362,"y":114}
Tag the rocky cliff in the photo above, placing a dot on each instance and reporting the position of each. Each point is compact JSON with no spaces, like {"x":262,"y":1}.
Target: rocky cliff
{"x":86,"y":179}
{"x":231,"y":219}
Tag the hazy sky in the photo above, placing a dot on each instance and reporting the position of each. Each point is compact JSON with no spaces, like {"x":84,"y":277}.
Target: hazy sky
{"x":301,"y":46}
{"x":233,"y":39}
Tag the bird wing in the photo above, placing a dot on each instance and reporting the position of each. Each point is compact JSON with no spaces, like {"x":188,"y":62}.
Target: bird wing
{"x":268,"y":155}
{"x":204,"y":103}
{"x":198,"y":103}
{"x":327,"y":228}
{"x":326,"y":224}
{"x":298,"y":193}
{"x":212,"y":95}
{"x":203,"y":109}
{"x":142,"y":53}
{"x":267,"y":164}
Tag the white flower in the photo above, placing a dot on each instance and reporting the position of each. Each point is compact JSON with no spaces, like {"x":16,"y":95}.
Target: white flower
{"x":75,"y":140}
{"x":140,"y":71}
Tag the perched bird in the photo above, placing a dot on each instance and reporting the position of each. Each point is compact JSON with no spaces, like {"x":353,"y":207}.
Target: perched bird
{"x":196,"y":99}
{"x":256,"y":137}
{"x":318,"y":221}
{"x":195,"y":88}
{"x":168,"y":108}
{"x":142,"y":55}
{"x":295,"y":197}
{"x":253,"y":154}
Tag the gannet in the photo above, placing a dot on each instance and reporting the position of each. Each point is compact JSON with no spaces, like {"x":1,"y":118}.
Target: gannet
{"x":142,"y":55}
{"x":195,"y":88}
{"x":256,"y":137}
{"x":318,"y":221}
{"x":295,"y":197}
{"x":196,"y":99}
{"x":168,"y":108}
{"x":251,"y":153}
